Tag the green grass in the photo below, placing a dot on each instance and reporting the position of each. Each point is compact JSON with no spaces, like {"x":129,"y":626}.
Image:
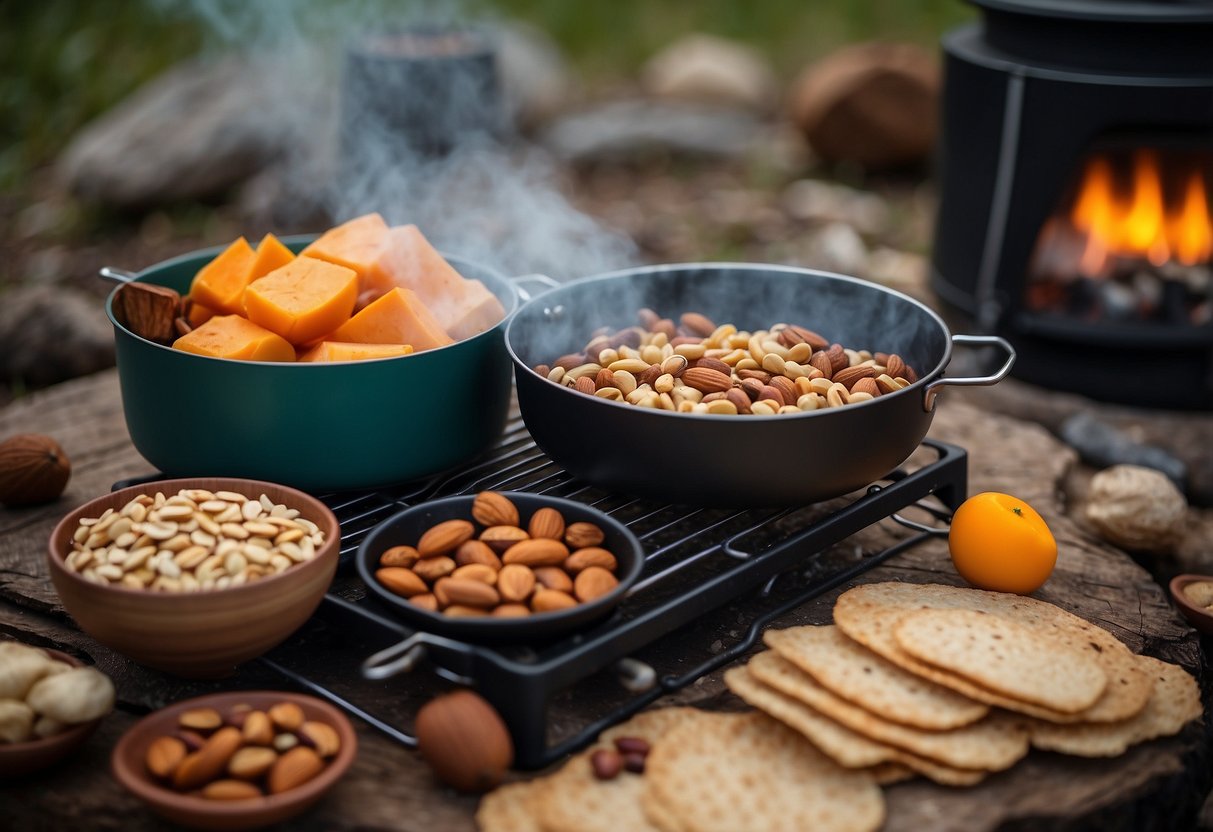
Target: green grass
{"x":63,"y":62}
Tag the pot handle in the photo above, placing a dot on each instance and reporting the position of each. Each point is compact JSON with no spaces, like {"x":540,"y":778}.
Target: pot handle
{"x":542,"y":279}
{"x":116,"y":275}
{"x":405,"y":655}
{"x":928,"y":398}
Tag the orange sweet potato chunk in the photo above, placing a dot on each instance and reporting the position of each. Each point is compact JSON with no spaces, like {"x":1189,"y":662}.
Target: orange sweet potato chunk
{"x":231,"y":336}
{"x":346,"y":351}
{"x":303,"y":300}
{"x":399,"y":317}
{"x":271,"y":254}
{"x":199,"y":314}
{"x":355,"y":245}
{"x":462,"y":307}
{"x":220,"y":284}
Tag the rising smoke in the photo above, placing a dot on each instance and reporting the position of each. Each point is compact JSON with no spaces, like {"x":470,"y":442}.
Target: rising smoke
{"x":486,"y":196}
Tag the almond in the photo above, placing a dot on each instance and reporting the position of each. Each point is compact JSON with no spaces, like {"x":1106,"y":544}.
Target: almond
{"x":590,"y":556}
{"x":790,"y":336}
{"x":541,"y":552}
{"x":511,"y":611}
{"x":761,"y":375}
{"x":706,"y":380}
{"x":402,"y":556}
{"x":477,"y":551}
{"x":708,"y":363}
{"x":481,"y":572}
{"x":251,"y":762}
{"x":294,"y":768}
{"x":444,"y":537}
{"x":230,"y":790}
{"x":787,"y":387}
{"x":822,"y":363}
{"x":739,"y":398}
{"x":849,"y":375}
{"x":550,"y":600}
{"x":200,"y":719}
{"x":553,"y":577}
{"x":206,"y":763}
{"x":648,"y":376}
{"x":286,"y":716}
{"x":164,"y":755}
{"x":500,"y":538}
{"x":547,"y":522}
{"x":605,"y":378}
{"x":895,"y":366}
{"x":431,"y":569}
{"x":579,"y":535}
{"x":426,"y":602}
{"x":593,"y":582}
{"x":697,"y":324}
{"x":752,"y":387}
{"x":515,"y":582}
{"x":321,"y":736}
{"x":464,"y":611}
{"x":257,"y":729}
{"x":584,"y":384}
{"x":401,"y":581}
{"x":838,"y":357}
{"x":886,"y":384}
{"x":866,"y":385}
{"x":771,"y":394}
{"x":461,"y":592}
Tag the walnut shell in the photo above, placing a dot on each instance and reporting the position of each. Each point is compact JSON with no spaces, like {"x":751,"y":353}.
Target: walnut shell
{"x":33,"y":469}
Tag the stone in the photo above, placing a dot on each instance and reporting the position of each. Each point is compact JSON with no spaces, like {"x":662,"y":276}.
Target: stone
{"x":712,"y":70}
{"x":872,"y":104}
{"x":838,"y":248}
{"x":1101,"y":445}
{"x":813,"y":200}
{"x":50,"y":334}
{"x":191,"y":133}
{"x":632,"y":129}
{"x":1136,"y":508}
{"x":535,"y":78}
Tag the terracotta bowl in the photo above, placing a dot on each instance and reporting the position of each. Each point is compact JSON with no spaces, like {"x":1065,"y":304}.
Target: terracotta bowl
{"x":197,"y":634}
{"x":1198,"y":617}
{"x":18,"y":759}
{"x":129,"y":769}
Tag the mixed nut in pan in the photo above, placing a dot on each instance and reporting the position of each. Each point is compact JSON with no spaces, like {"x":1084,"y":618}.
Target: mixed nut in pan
{"x":697,"y":366}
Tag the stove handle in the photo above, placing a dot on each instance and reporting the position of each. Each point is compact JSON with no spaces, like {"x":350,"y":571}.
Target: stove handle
{"x":928,"y":398}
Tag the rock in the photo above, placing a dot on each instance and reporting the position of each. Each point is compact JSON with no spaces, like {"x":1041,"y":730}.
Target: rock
{"x":839,"y":248}
{"x":632,"y":129}
{"x":1101,"y":445}
{"x":815,"y":201}
{"x":1136,"y":508}
{"x":874,"y":104}
{"x":535,"y":78}
{"x":711,"y":70}
{"x":904,"y":271}
{"x":50,"y":334}
{"x":191,"y":133}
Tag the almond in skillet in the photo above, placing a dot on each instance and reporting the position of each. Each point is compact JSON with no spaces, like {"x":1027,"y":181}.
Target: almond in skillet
{"x":547,"y":522}
{"x":539,"y":552}
{"x":500,"y":538}
{"x":492,"y":509}
{"x":515,"y":582}
{"x":444,"y":537}
{"x":593,"y":582}
{"x":582,"y":534}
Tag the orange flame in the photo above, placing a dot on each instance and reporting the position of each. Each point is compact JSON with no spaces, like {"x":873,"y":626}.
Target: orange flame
{"x":1141,"y":223}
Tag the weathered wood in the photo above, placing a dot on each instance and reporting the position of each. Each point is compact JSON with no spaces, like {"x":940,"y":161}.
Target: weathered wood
{"x":1158,"y":785}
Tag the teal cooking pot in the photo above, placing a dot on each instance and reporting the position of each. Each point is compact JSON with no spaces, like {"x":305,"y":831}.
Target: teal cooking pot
{"x":315,"y":426}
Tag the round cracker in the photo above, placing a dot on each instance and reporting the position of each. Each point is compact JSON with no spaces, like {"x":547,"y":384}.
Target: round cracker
{"x":869,"y":612}
{"x":511,"y":808}
{"x":748,"y":771}
{"x":1174,"y":703}
{"x":1004,"y":657}
{"x":851,"y":671}
{"x":993,"y":744}
{"x":885,"y":763}
{"x":575,"y":800}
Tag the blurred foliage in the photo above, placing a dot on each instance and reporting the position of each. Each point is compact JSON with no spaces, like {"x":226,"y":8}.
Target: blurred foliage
{"x":63,"y":62}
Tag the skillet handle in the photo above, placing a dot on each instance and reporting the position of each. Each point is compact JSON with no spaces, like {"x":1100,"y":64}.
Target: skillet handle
{"x":542,"y":279}
{"x":928,"y":397}
{"x":116,"y":275}
{"x":399,"y":658}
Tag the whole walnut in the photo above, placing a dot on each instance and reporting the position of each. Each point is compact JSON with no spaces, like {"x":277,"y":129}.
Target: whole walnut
{"x":1136,"y":508}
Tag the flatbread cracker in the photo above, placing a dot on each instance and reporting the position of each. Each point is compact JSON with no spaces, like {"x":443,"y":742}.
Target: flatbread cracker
{"x":869,"y":612}
{"x":841,"y":744}
{"x":993,"y":744}
{"x":510,"y":808}
{"x":1174,"y":703}
{"x":575,"y":800}
{"x":1004,"y":657}
{"x":748,"y":771}
{"x":851,"y":671}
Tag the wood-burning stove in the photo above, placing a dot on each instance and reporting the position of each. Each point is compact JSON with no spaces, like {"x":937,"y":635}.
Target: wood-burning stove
{"x":1075,"y":168}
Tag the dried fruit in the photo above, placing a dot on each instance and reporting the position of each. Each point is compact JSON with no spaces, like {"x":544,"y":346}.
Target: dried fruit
{"x":464,"y":740}
{"x":33,"y":469}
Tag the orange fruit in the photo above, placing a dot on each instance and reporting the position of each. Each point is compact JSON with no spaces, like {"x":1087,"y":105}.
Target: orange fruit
{"x":999,"y":542}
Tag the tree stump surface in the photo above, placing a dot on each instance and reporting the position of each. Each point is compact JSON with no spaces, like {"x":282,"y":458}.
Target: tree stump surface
{"x":1156,"y":785}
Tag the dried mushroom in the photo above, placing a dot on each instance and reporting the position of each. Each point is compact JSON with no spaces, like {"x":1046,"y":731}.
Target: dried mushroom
{"x":79,"y":695}
{"x":16,"y":721}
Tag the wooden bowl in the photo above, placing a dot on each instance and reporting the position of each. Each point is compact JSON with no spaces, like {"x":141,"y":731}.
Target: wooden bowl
{"x":1198,"y":617}
{"x":129,"y":768}
{"x":21,"y":758}
{"x":197,"y":634}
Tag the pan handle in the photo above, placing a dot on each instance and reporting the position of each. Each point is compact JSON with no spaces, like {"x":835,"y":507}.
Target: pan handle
{"x":928,"y":398}
{"x":116,"y":275}
{"x":542,"y":279}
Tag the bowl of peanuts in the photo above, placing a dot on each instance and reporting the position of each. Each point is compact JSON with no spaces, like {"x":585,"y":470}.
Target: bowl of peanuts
{"x":194,"y":576}
{"x":500,"y":565}
{"x":235,"y":760}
